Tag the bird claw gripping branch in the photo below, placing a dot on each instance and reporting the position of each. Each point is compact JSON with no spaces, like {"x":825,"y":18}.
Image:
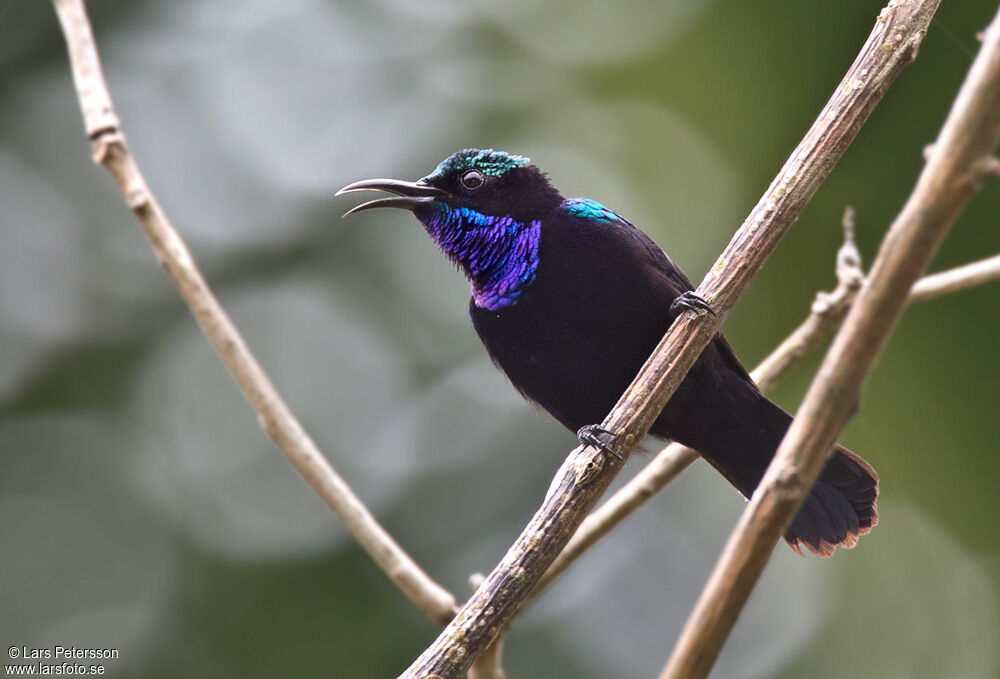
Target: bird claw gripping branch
{"x":595,"y":435}
{"x":690,"y":301}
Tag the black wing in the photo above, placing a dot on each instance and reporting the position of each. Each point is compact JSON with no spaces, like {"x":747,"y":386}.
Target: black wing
{"x":679,"y":280}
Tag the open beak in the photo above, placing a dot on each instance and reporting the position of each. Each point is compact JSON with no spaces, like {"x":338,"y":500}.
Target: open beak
{"x":408,"y":194}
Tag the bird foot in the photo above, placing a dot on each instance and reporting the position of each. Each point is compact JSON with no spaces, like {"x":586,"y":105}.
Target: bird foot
{"x":690,"y":301}
{"x":595,"y":435}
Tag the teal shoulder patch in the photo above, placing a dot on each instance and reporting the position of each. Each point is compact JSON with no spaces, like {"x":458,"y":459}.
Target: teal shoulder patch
{"x":591,"y":209}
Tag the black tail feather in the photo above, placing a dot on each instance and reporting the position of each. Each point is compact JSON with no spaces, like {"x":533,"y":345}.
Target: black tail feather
{"x":841,"y":507}
{"x":739,"y":438}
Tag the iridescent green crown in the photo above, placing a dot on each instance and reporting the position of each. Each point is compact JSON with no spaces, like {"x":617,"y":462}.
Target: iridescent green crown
{"x":491,"y":163}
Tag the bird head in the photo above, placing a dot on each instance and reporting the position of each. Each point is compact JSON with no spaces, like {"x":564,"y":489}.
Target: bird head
{"x":484,"y":209}
{"x":492,"y":183}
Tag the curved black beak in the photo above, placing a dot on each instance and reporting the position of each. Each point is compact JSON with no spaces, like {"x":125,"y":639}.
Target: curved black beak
{"x":409,"y":194}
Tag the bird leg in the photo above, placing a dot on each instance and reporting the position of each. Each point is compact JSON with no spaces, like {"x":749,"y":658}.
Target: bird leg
{"x":689,"y":301}
{"x":591,"y":435}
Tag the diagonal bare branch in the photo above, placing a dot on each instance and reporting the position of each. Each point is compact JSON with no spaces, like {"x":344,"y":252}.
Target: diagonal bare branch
{"x":947,"y":183}
{"x":109,"y":149}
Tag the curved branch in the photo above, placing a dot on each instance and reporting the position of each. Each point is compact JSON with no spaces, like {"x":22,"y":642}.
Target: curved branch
{"x":586,"y":473}
{"x":947,"y":183}
{"x":109,"y":149}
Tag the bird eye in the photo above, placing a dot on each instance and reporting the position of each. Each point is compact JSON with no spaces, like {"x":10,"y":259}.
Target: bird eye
{"x":473,"y":179}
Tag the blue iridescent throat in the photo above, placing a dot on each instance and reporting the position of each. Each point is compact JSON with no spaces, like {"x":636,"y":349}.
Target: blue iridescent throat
{"x":498,"y":254}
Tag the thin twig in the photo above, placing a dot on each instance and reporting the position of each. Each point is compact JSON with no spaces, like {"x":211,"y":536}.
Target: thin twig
{"x":109,"y":149}
{"x":990,"y":167}
{"x":587,"y":472}
{"x":490,"y":664}
{"x":829,"y":310}
{"x":948,"y":181}
{"x":660,"y":471}
{"x":825,"y":315}
{"x":955,"y":280}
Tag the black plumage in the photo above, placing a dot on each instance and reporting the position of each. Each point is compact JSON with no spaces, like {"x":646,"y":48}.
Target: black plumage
{"x":570,"y":299}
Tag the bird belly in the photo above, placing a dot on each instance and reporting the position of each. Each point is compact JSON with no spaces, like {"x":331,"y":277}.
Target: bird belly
{"x":574,"y":366}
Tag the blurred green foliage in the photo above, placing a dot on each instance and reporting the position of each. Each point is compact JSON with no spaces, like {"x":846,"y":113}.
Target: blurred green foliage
{"x":142,"y":509}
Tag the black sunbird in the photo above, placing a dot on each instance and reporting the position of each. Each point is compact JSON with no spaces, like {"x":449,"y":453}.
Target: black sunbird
{"x":570,"y":299}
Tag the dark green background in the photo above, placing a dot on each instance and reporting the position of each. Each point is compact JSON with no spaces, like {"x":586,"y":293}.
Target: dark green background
{"x":141,"y":508}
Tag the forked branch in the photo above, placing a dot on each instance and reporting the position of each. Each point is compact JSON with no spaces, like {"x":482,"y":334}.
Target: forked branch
{"x":948,"y":181}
